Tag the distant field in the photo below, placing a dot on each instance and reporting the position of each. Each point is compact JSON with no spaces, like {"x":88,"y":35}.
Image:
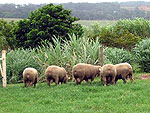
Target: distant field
{"x":11,"y":19}
{"x":90,"y":22}
{"x":82,"y":22}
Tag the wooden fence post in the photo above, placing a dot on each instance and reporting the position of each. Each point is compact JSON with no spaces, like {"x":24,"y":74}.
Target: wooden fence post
{"x":101,"y":55}
{"x":4,"y":68}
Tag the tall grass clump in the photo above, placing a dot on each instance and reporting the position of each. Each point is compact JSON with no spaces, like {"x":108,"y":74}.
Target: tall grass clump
{"x":116,"y":55}
{"x":17,"y":61}
{"x":138,"y":27}
{"x":68,"y":53}
{"x":142,"y":55}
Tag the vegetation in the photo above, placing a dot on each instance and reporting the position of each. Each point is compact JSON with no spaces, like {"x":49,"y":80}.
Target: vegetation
{"x":66,"y":98}
{"x":77,"y":50}
{"x":84,"y":11}
{"x":45,"y":23}
{"x":71,"y":47}
{"x":119,"y":35}
{"x":142,"y":55}
{"x":7,"y":39}
{"x":67,"y":48}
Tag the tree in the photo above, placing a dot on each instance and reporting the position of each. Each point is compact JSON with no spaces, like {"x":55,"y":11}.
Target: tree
{"x":7,"y":38}
{"x":43,"y":24}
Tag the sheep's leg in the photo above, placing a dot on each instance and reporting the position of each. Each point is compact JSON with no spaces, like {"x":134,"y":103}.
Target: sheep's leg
{"x":116,"y":79}
{"x":65,"y":80}
{"x":104,"y":80}
{"x":25,"y":83}
{"x":31,"y":83}
{"x":124,"y":80}
{"x":131,"y":78}
{"x":113,"y":80}
{"x":76,"y":80}
{"x":48,"y":82}
{"x":35,"y":82}
{"x":86,"y":81}
{"x":92,"y":79}
{"x":56,"y":81}
{"x":79,"y":80}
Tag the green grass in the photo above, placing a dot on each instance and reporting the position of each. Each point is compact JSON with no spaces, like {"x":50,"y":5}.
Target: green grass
{"x":82,"y":22}
{"x":11,"y":19}
{"x":72,"y":98}
{"x":89,"y":23}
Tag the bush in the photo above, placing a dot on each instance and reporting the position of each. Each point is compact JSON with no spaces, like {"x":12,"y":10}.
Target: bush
{"x":7,"y":39}
{"x":17,"y":61}
{"x":141,"y":54}
{"x":115,"y":55}
{"x":114,"y":36}
{"x":138,"y":27}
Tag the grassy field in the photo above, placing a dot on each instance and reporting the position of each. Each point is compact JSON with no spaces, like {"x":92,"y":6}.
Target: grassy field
{"x":90,"y":22}
{"x":72,"y":98}
{"x":11,"y":19}
{"x":82,"y":22}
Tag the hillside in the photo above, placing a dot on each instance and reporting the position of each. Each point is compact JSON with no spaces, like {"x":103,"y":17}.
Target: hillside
{"x":85,"y":11}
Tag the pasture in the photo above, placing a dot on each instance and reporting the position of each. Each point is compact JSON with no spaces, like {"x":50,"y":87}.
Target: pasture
{"x":11,"y":19}
{"x":72,"y":98}
{"x":89,"y":23}
{"x":82,"y":22}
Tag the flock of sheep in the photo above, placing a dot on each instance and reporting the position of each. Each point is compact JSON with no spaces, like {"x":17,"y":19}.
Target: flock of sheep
{"x":109,"y":73}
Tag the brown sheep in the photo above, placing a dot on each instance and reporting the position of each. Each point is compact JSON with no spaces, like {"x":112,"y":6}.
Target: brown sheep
{"x":30,"y":76}
{"x":56,"y":74}
{"x":124,"y":70}
{"x":108,"y":74}
{"x":83,"y":71}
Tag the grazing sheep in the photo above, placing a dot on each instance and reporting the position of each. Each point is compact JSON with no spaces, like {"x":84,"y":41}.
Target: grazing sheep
{"x":124,"y":70}
{"x":108,"y":74}
{"x":30,"y":76}
{"x":56,"y":74}
{"x":83,"y":71}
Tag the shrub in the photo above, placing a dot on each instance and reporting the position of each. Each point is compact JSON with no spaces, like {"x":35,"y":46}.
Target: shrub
{"x":17,"y":61}
{"x":7,"y":39}
{"x":142,"y":54}
{"x":138,"y":27}
{"x":116,"y":55}
{"x":114,"y":36}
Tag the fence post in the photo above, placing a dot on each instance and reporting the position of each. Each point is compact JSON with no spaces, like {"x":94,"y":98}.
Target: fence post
{"x":4,"y":68}
{"x":101,"y":55}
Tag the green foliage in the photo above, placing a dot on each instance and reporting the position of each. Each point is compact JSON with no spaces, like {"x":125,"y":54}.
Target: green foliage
{"x":17,"y":61}
{"x":66,"y":54}
{"x":72,"y":98}
{"x":45,"y":23}
{"x":7,"y":40}
{"x":76,"y":50}
{"x":142,"y":54}
{"x":138,"y":27}
{"x":114,"y":36}
{"x":116,"y":55}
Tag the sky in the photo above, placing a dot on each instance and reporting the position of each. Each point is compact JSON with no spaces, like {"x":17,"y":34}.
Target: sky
{"x":61,"y":1}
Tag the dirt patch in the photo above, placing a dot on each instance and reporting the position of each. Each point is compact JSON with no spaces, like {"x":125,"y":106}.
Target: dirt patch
{"x":144,"y":77}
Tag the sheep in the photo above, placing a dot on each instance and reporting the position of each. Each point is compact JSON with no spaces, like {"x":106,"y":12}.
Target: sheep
{"x":56,"y":74}
{"x":84,"y":71}
{"x":30,"y":76}
{"x":108,"y":74}
{"x":124,"y":70}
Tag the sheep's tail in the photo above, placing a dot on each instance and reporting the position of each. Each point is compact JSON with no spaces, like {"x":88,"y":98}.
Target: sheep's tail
{"x":28,"y":76}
